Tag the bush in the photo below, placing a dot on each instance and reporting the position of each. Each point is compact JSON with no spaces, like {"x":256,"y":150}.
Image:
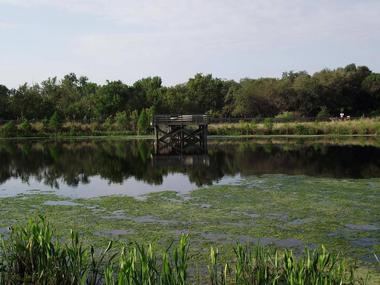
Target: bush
{"x":301,"y":130}
{"x":268,"y":124}
{"x":286,"y":116}
{"x":250,"y":128}
{"x":25,"y":128}
{"x":108,"y":124}
{"x":323,"y":113}
{"x":55,"y":122}
{"x":73,"y":129}
{"x":121,"y":120}
{"x":95,"y":127}
{"x":143,"y":123}
{"x":9,"y":130}
{"x":134,"y":119}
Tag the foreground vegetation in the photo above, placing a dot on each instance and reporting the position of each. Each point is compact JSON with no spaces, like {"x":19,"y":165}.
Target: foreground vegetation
{"x":33,"y":254}
{"x":291,"y":212}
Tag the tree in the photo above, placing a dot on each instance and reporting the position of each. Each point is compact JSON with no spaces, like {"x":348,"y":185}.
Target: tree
{"x":148,"y":92}
{"x":150,"y":112}
{"x":111,"y":98}
{"x":175,"y":100}
{"x":121,"y":120}
{"x":26,"y":102}
{"x":323,"y":113}
{"x":25,"y":128}
{"x":143,"y":122}
{"x":371,"y":85}
{"x":354,"y":88}
{"x":55,"y":122}
{"x":254,"y":98}
{"x":206,"y":93}
{"x":4,"y":102}
{"x":134,"y":117}
{"x":306,"y":91}
{"x":9,"y":129}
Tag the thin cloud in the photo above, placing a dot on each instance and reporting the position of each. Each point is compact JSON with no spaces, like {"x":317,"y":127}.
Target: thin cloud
{"x":235,"y":38}
{"x":7,"y":25}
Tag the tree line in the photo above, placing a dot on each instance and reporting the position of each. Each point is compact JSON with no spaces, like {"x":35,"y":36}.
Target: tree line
{"x":354,"y":90}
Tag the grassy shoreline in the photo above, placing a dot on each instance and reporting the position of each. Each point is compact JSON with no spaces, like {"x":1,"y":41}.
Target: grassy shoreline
{"x":210,"y":137}
{"x":355,"y":127}
{"x":268,"y":127}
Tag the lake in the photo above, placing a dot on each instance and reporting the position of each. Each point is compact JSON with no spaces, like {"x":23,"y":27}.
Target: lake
{"x":292,"y":193}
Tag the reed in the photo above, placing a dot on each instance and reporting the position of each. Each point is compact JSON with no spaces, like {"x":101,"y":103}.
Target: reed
{"x":336,"y":127}
{"x":268,"y":126}
{"x":32,"y":254}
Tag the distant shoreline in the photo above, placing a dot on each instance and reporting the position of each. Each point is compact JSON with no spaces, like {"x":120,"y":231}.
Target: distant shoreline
{"x":211,"y":137}
{"x":365,"y":127}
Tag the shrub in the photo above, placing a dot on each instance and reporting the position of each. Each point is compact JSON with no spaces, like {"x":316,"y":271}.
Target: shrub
{"x":300,"y":129}
{"x":108,"y":124}
{"x":9,"y":129}
{"x":252,"y":128}
{"x":25,"y":128}
{"x":323,"y":113}
{"x":73,"y":129}
{"x":94,"y":128}
{"x":268,"y":124}
{"x":150,"y":113}
{"x":38,"y":127}
{"x":55,"y":122}
{"x":134,"y":119}
{"x":121,"y":120}
{"x":143,"y":123}
{"x":286,"y":116}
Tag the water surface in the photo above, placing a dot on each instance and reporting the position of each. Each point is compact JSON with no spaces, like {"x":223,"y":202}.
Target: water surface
{"x":92,"y":168}
{"x":289,"y":193}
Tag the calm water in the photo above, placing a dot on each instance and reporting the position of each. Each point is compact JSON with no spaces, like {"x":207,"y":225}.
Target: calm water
{"x":91,"y":168}
{"x":290,"y":193}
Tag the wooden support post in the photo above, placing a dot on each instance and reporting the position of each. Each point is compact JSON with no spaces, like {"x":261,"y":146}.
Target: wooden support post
{"x":157,"y":146}
{"x":172,"y":134}
{"x":181,"y":139}
{"x":205,"y":133}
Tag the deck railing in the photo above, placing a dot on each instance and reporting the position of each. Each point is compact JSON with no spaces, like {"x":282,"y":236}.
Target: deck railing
{"x":180,"y":119}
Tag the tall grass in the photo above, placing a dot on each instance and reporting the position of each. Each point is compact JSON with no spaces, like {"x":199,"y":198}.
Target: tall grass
{"x":32,"y":254}
{"x":268,"y":126}
{"x":337,"y":127}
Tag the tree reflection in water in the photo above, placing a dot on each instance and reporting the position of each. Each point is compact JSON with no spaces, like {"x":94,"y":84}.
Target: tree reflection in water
{"x":73,"y":162}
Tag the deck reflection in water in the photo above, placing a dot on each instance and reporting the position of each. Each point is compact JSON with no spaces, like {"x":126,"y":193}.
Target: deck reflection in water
{"x":88,"y":168}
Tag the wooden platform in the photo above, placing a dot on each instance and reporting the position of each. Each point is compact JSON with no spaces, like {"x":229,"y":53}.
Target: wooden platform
{"x":180,"y":133}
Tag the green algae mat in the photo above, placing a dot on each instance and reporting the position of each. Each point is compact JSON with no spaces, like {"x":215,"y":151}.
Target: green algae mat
{"x":286,"y":195}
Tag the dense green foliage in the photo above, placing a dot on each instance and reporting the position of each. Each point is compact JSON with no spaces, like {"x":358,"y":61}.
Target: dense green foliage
{"x":355,"y":90}
{"x":34,"y":255}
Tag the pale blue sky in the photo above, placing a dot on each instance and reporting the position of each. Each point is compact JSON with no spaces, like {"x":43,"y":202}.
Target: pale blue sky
{"x":128,"y":40}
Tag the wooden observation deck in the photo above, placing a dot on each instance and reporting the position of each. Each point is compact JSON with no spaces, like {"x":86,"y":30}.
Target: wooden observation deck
{"x":180,"y":133}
